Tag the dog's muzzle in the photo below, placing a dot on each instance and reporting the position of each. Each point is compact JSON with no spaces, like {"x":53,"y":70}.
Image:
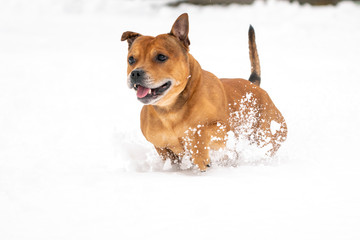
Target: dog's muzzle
{"x":146,"y":91}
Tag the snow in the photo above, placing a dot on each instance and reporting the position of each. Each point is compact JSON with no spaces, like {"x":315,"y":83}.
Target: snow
{"x":274,"y":127}
{"x":74,"y":164}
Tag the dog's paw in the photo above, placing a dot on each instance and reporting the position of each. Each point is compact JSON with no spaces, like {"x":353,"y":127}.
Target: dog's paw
{"x":203,"y":165}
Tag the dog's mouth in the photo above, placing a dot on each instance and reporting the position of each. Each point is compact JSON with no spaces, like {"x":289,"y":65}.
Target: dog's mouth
{"x":146,"y":95}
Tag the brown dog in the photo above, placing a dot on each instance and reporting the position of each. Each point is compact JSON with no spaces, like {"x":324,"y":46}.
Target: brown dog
{"x":189,"y":110}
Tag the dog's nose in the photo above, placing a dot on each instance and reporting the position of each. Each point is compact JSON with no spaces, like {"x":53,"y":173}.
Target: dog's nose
{"x":137,"y":76}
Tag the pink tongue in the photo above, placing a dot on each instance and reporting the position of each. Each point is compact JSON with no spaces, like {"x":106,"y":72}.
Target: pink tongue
{"x":142,"y":91}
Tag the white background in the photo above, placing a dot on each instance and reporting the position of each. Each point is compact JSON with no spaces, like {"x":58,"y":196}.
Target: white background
{"x":73,"y":162}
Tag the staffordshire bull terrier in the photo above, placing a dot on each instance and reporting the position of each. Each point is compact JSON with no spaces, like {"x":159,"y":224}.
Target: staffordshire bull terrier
{"x":189,"y":111}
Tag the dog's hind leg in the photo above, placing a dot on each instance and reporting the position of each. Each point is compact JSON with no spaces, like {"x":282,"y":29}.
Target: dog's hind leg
{"x":272,"y":128}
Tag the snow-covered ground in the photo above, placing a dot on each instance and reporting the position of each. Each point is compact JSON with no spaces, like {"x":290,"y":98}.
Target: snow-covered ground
{"x":73,"y":162}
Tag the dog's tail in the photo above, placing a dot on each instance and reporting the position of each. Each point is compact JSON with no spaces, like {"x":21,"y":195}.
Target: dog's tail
{"x":254,"y":59}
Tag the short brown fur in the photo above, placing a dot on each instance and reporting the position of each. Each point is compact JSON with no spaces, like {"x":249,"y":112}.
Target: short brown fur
{"x":199,"y":105}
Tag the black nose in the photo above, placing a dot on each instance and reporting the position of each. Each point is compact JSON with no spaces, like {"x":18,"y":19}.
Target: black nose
{"x":137,"y":76}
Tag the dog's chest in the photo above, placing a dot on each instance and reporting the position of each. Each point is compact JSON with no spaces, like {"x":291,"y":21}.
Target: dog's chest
{"x":163,"y":133}
{"x":166,"y":138}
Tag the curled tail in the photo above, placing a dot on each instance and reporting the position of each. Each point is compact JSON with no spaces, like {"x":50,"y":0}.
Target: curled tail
{"x":254,"y":59}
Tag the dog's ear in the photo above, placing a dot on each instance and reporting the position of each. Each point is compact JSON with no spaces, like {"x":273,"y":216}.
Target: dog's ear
{"x":180,"y":29}
{"x":130,"y":37}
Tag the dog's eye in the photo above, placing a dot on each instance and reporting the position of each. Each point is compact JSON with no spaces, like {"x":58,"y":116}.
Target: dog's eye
{"x":161,"y":58}
{"x":131,"y":60}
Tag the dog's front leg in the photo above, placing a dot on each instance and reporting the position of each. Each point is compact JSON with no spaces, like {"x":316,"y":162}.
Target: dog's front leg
{"x":196,"y":144}
{"x":166,"y":153}
{"x":200,"y":140}
{"x":200,"y":153}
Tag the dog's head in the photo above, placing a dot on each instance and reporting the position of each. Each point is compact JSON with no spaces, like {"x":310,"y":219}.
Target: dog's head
{"x":158,"y":67}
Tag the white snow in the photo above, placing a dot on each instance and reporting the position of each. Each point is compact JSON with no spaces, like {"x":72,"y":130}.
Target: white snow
{"x":73,"y":161}
{"x":274,"y":127}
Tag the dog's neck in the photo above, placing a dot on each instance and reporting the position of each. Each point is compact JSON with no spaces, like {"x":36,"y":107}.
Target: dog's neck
{"x":193,"y":80}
